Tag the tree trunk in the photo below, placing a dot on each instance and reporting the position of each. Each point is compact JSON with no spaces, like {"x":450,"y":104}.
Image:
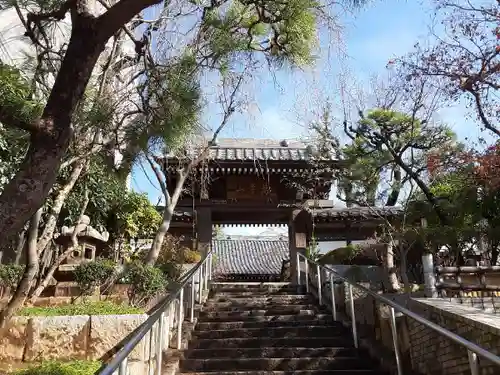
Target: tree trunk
{"x":50,"y":226}
{"x":494,"y":253}
{"x":29,"y":275}
{"x":391,"y":268}
{"x":392,"y":199}
{"x":403,"y":269}
{"x":154,"y":252}
{"x":44,"y":261}
{"x":443,"y":219}
{"x":21,"y":242}
{"x":48,"y":276}
{"x":79,"y":227}
{"x":9,"y":247}
{"x":52,"y":133}
{"x":7,"y":250}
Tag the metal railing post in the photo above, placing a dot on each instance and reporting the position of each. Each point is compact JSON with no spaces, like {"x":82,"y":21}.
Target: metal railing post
{"x":199,"y":284}
{"x":191,"y":301}
{"x":168,"y":326}
{"x":395,"y":340}
{"x":159,"y":344}
{"x":122,"y":370}
{"x":306,"y":264}
{"x":298,"y":268}
{"x":318,"y":278}
{"x":205,"y":276}
{"x":180,"y":318}
{"x":157,"y":327}
{"x":209,"y":260}
{"x":332,"y":291}
{"x":473,"y":364}
{"x":353,"y":317}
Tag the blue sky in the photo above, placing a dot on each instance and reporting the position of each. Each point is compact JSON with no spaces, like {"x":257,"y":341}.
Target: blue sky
{"x":371,"y":36}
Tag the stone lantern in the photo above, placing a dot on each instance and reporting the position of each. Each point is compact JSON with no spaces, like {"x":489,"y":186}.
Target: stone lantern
{"x":91,"y":244}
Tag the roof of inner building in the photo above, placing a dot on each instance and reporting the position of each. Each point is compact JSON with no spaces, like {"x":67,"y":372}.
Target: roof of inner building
{"x":249,"y":256}
{"x":356,"y":213}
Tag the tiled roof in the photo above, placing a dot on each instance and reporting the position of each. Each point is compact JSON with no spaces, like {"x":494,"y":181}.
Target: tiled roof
{"x":249,"y":256}
{"x":356,"y":213}
{"x":259,"y":149}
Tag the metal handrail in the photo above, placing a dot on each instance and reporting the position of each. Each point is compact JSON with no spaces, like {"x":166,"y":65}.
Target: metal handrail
{"x":163,"y":317}
{"x":473,"y":350}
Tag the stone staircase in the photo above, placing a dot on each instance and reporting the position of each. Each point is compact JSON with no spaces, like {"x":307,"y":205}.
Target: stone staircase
{"x":270,"y":328}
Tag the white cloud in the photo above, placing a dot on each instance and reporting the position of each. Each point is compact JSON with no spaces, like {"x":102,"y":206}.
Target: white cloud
{"x":275,"y":124}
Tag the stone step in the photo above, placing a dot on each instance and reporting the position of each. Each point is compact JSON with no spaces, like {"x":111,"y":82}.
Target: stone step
{"x":308,"y":319}
{"x":238,"y":315}
{"x":271,"y":332}
{"x":305,"y":372}
{"x":251,"y":287}
{"x":278,"y":308}
{"x":259,"y":342}
{"x":239,"y":290}
{"x":284,"y":298}
{"x":250,"y":284}
{"x":274,"y":352}
{"x":306,"y":315}
{"x":276,"y":364}
{"x":259,"y":305}
{"x":259,"y":293}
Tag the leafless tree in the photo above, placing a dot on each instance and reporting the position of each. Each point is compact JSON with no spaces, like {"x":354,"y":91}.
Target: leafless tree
{"x":230,"y":102}
{"x":464,"y":57}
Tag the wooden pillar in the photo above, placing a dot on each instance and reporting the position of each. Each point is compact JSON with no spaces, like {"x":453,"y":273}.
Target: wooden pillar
{"x":348,"y":234}
{"x":204,"y":228}
{"x":297,"y":238}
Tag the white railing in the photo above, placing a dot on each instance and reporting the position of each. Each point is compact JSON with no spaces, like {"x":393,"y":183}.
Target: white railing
{"x":165,"y":321}
{"x":473,"y":350}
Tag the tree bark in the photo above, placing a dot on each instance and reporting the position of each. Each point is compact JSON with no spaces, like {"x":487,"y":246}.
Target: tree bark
{"x":170,"y":203}
{"x":403,"y":269}
{"x":21,"y":241}
{"x":29,"y":275}
{"x":48,"y":276}
{"x":51,"y":134}
{"x":154,"y":252}
{"x":421,"y":184}
{"x":396,"y":187}
{"x":8,"y":249}
{"x":74,"y":244}
{"x":50,"y":226}
{"x":391,"y":268}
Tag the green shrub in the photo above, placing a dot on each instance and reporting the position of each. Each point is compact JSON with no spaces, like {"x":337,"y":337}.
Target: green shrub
{"x":93,"y":274}
{"x":84,"y":308}
{"x":341,"y":255}
{"x":146,"y":282}
{"x":61,"y":368}
{"x":191,"y":256}
{"x":10,"y":275}
{"x":172,"y":271}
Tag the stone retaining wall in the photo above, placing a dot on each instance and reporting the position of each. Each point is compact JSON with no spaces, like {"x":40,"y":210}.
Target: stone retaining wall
{"x":423,"y":351}
{"x":66,"y":337}
{"x":433,"y":354}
